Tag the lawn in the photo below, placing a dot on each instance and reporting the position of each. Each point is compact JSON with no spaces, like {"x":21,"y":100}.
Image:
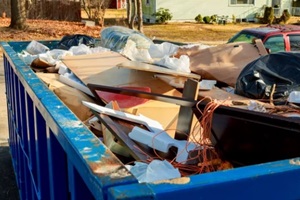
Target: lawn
{"x":182,"y":32}
{"x":189,"y":32}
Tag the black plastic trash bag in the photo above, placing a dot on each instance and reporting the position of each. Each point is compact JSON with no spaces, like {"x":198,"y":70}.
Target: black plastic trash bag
{"x":279,"y":70}
{"x":74,"y":40}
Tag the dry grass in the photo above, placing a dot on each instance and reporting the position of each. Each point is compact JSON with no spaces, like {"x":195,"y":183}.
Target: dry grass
{"x":190,"y":32}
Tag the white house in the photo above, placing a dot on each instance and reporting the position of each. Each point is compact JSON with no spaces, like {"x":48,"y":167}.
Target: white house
{"x":187,"y":10}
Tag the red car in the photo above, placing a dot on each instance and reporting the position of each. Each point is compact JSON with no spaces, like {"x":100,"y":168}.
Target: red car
{"x":275,"y":37}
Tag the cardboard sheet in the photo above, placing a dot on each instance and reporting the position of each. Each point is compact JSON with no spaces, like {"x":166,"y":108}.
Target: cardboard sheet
{"x":223,"y":62}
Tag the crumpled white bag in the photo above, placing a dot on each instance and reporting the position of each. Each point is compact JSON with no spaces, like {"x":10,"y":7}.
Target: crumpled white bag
{"x":136,"y":54}
{"x":162,"y":50}
{"x":156,"y":170}
{"x":181,"y":64}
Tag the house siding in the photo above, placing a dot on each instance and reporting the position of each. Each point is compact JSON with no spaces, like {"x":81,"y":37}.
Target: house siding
{"x":188,"y":10}
{"x":191,"y":8}
{"x":148,"y":10}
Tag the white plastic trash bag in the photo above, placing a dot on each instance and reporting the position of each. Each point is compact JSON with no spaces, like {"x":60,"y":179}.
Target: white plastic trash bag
{"x":156,"y":170}
{"x":163,"y":49}
{"x":181,"y":64}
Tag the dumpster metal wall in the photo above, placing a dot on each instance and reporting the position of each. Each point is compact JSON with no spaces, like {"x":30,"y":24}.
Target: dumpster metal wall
{"x":275,"y":180}
{"x":54,"y":154}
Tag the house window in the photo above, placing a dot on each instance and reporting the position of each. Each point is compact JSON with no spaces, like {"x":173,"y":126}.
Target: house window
{"x":242,"y":2}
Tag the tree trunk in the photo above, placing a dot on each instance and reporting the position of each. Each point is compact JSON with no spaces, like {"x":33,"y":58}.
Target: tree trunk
{"x":129,"y":11}
{"x":140,"y":15}
{"x":133,"y":15}
{"x":18,"y":14}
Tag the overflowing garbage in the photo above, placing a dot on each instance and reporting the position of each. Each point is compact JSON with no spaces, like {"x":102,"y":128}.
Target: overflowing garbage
{"x":231,"y":104}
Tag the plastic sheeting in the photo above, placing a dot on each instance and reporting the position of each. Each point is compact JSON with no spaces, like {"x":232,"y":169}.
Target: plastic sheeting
{"x":277,"y":71}
{"x":116,"y":37}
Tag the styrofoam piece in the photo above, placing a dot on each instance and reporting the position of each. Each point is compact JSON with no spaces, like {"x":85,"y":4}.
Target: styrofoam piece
{"x":152,"y":125}
{"x":163,"y":142}
{"x":207,"y":84}
{"x":35,"y":47}
{"x":156,"y":170}
{"x":75,"y":84}
{"x":294,"y":97}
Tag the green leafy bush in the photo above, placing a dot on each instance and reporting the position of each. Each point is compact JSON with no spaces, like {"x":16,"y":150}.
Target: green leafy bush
{"x":198,"y":18}
{"x":163,"y":15}
{"x":233,"y":19}
{"x":206,"y":19}
{"x":213,"y":19}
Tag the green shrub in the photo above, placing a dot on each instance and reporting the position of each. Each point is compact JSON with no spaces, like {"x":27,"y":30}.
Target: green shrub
{"x":163,"y":15}
{"x":198,"y":18}
{"x":206,"y":19}
{"x":233,"y":19}
{"x":213,"y":19}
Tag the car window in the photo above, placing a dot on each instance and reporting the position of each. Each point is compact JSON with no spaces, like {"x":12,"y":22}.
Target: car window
{"x":294,"y":42}
{"x":243,"y":37}
{"x":275,"y":43}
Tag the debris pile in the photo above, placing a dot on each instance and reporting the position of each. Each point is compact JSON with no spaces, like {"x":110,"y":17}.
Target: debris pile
{"x":165,"y":110}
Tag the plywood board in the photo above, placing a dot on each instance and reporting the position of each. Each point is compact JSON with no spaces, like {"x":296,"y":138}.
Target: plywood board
{"x":102,"y":69}
{"x":222,"y":95}
{"x":157,"y":69}
{"x":219,"y":94}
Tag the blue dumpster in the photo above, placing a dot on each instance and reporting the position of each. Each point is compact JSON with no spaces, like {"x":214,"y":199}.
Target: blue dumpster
{"x":275,"y":180}
{"x":56,"y":157}
{"x":54,"y":154}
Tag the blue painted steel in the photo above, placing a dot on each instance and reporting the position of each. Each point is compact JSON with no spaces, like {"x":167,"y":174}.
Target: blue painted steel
{"x":275,"y":180}
{"x":54,"y":154}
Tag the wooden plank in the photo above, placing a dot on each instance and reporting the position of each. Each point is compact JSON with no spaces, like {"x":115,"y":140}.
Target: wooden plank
{"x":89,"y":68}
{"x":186,"y":114}
{"x":157,"y":69}
{"x":101,"y":69}
{"x":261,"y":47}
{"x":220,"y":94}
{"x":231,"y":99}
